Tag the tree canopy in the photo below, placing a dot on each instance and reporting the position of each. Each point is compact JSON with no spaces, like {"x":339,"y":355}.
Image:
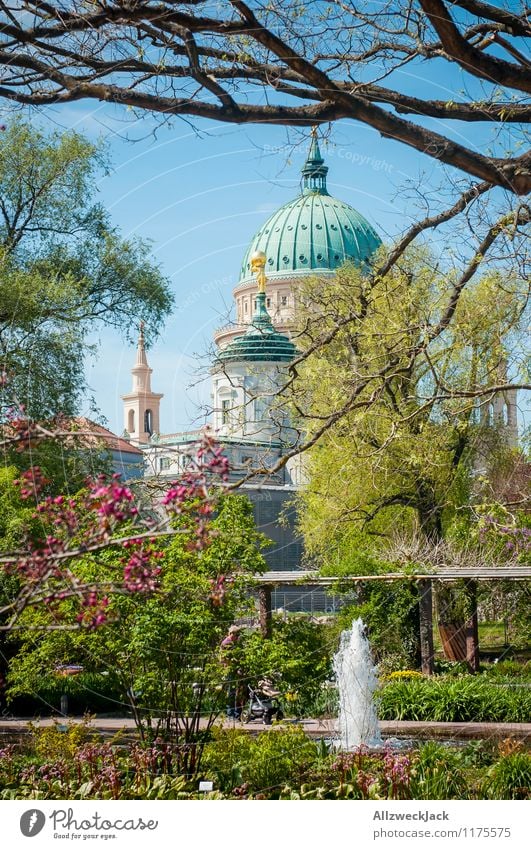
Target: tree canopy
{"x":65,"y":270}
{"x":408,"y":421}
{"x":161,"y":644}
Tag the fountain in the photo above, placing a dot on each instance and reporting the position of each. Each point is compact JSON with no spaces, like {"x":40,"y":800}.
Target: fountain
{"x":356,"y":682}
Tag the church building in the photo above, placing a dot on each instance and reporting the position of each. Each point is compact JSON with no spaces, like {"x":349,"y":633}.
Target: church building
{"x":314,"y":234}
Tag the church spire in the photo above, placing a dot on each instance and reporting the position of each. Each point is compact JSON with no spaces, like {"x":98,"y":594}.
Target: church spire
{"x":141,"y":405}
{"x":141,"y":371}
{"x":141,"y":358}
{"x":314,"y":170}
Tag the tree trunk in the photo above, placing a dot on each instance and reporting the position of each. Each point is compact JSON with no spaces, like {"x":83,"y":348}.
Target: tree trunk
{"x":264,"y":606}
{"x":426,"y":626}
{"x":471,"y":628}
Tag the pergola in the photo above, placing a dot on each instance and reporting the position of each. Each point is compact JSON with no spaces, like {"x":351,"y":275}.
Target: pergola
{"x":424,"y":581}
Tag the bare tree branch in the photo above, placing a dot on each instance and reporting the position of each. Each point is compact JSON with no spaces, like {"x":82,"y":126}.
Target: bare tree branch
{"x":53,"y":53}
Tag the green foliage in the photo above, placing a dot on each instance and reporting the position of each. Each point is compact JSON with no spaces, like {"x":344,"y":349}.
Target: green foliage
{"x":71,"y":761}
{"x":87,"y":692}
{"x":265,"y":763}
{"x":57,"y":742}
{"x":51,"y":179}
{"x":460,"y":699}
{"x":510,"y":777}
{"x":399,"y":457}
{"x":509,"y":669}
{"x":64,"y":269}
{"x":279,"y":764}
{"x":160,"y":650}
{"x":479,"y":753}
{"x":396,"y":461}
{"x":15,"y":514}
{"x":450,"y":667}
{"x":437,"y":773}
{"x":390,"y":612}
{"x":298,"y":656}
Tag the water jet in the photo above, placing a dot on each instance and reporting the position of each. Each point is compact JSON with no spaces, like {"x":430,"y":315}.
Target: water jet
{"x":356,"y":683}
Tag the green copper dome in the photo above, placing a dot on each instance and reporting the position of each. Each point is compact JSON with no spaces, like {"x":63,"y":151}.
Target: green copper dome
{"x":261,"y":342}
{"x":315,"y":232}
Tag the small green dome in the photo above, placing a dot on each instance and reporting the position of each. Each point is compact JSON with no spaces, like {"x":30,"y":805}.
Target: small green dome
{"x":261,"y":342}
{"x":315,"y":232}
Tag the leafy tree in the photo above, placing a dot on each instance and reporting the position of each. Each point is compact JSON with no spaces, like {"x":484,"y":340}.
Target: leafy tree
{"x":64,"y":269}
{"x":404,"y":411}
{"x":160,"y":647}
{"x":405,"y":435}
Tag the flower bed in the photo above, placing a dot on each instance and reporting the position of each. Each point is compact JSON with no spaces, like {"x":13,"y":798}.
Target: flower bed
{"x":278,"y":764}
{"x":455,"y":699}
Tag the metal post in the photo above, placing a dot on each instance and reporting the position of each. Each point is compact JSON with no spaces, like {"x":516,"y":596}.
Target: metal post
{"x":426,"y":626}
{"x":264,"y":606}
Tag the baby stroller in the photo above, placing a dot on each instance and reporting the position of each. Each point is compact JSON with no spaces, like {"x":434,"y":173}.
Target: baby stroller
{"x":263,"y":704}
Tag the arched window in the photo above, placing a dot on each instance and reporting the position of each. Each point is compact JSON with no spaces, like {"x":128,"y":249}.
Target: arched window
{"x":505,"y":414}
{"x":490,"y":414}
{"x":148,"y":422}
{"x":131,"y":421}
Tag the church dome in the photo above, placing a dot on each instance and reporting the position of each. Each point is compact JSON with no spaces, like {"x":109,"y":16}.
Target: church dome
{"x":315,"y":232}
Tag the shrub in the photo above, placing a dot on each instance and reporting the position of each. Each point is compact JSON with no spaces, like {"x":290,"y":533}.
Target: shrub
{"x":509,"y":777}
{"x":450,"y":667}
{"x":259,"y":764}
{"x":88,"y":692}
{"x":509,"y":669}
{"x":298,"y":655}
{"x":437,"y":773}
{"x":58,"y":741}
{"x":224,"y":755}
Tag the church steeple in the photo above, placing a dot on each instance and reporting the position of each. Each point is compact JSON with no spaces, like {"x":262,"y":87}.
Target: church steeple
{"x":141,"y":405}
{"x":141,"y":358}
{"x":141,"y":371}
{"x":314,"y":170}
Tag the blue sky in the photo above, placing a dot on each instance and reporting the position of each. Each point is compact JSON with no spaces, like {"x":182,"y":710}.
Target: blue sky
{"x":200,"y":197}
{"x":200,"y":200}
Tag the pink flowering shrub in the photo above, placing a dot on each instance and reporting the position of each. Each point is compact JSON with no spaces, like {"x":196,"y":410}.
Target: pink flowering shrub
{"x":104,"y":515}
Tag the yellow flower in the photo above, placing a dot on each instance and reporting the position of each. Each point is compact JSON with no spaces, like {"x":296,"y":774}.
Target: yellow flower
{"x":402,"y":674}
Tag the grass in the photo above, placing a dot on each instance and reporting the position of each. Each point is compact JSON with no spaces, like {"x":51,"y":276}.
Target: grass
{"x":492,"y":634}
